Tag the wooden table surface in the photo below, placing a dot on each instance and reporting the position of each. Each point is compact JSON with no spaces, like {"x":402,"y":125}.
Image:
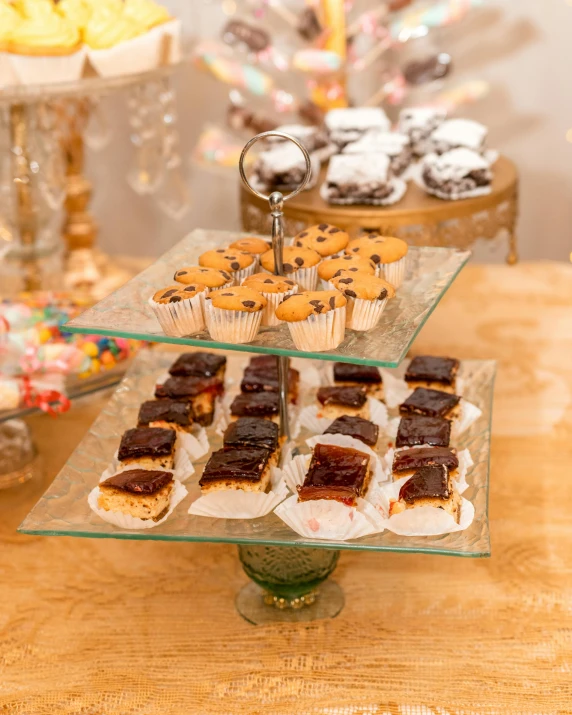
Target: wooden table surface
{"x":141,"y":628}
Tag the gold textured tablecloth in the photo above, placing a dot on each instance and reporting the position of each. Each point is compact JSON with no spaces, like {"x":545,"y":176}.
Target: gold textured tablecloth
{"x":140,"y":628}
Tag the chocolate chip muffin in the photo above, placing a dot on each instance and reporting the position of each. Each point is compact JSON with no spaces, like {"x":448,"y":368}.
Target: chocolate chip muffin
{"x":233,"y":315}
{"x":325,"y":239}
{"x":239,"y":264}
{"x":316,"y":319}
{"x":303,"y":262}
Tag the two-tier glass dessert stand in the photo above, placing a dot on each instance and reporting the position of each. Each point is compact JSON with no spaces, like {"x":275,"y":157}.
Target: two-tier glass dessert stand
{"x":289,"y":572}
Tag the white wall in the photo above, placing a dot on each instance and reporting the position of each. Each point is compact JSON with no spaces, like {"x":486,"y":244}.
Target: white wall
{"x":523,"y":47}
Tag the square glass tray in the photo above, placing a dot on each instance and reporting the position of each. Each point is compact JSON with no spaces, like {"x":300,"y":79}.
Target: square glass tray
{"x":64,"y":511}
{"x":431,"y":271}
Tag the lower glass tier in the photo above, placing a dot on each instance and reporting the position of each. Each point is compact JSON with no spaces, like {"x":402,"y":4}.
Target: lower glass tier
{"x":64,"y":510}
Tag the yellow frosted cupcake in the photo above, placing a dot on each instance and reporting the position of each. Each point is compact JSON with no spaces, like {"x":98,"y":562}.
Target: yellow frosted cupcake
{"x":45,"y":47}
{"x":159,"y":21}
{"x":9,"y":21}
{"x":146,"y":12}
{"x":77,"y":12}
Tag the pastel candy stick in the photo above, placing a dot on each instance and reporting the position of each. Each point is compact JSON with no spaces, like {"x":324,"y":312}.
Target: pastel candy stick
{"x":210,"y":57}
{"x":431,"y":15}
{"x":319,"y":62}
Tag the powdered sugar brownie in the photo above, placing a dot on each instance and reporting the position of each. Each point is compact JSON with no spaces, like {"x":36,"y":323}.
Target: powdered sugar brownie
{"x":325,"y":239}
{"x":283,"y":168}
{"x":348,"y":125}
{"x":396,"y":146}
{"x":355,"y":179}
{"x":419,"y":123}
{"x":457,"y":174}
{"x":455,"y":133}
{"x":315,"y":139}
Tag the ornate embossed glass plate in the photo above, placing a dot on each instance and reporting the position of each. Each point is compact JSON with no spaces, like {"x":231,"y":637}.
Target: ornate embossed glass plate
{"x":64,"y":511}
{"x":431,"y":271}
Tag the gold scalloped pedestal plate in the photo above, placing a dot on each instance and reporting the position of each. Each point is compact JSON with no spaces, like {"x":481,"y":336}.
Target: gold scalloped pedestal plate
{"x":420,"y":219}
{"x":289,"y":573}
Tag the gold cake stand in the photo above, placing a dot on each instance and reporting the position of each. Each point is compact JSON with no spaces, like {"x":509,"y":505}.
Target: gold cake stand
{"x":420,"y":219}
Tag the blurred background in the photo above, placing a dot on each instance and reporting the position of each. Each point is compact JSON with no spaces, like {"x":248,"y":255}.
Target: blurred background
{"x":521,"y":48}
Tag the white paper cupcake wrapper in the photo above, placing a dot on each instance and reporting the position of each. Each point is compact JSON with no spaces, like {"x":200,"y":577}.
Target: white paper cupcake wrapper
{"x":196,"y":444}
{"x":141,"y":54}
{"x":187,"y":317}
{"x":231,"y":326}
{"x":420,"y":521}
{"x":8,"y":77}
{"x":364,"y":314}
{"x":48,"y":69}
{"x":239,"y":276}
{"x":126,"y":521}
{"x":319,"y":332}
{"x":465,"y":463}
{"x":309,"y":419}
{"x":306,"y":278}
{"x":238,"y":504}
{"x":329,"y":519}
{"x":170,"y":32}
{"x":398,"y":185}
{"x":273,"y":300}
{"x":395,"y":390}
{"x":341,"y":440}
{"x":394,"y":273}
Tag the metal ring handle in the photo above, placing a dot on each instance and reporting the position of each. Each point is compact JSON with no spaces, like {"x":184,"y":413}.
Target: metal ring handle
{"x":300,"y":146}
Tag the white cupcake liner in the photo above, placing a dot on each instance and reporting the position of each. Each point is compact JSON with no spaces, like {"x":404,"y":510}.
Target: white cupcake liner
{"x":306,"y":278}
{"x":309,"y":419}
{"x":273,"y":300}
{"x":239,"y":276}
{"x":8,"y":77}
{"x":126,"y":521}
{"x":465,"y":463}
{"x":364,"y":314}
{"x":329,"y":519}
{"x":394,"y":273}
{"x":395,"y":390}
{"x":341,"y":440}
{"x":187,"y":317}
{"x":231,"y":326}
{"x":239,"y":504}
{"x":182,"y":470}
{"x":327,"y":285}
{"x":48,"y":69}
{"x":319,"y":332}
{"x":170,"y":48}
{"x":141,"y":54}
{"x":420,"y":521}
{"x":195,"y":443}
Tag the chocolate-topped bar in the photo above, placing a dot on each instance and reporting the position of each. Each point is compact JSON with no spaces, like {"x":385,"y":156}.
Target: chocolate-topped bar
{"x":199,"y":364}
{"x":409,"y":460}
{"x":149,"y":447}
{"x":367,"y":375}
{"x":252,"y":432}
{"x":356,"y":427}
{"x":338,"y":401}
{"x":246,"y":468}
{"x":336,"y":473}
{"x":142,"y":493}
{"x":418,"y":430}
{"x":256,"y":404}
{"x":438,"y":373}
{"x":432,"y":403}
{"x":169,"y":414}
{"x":201,"y":392}
{"x":262,"y":375}
{"x":429,"y":486}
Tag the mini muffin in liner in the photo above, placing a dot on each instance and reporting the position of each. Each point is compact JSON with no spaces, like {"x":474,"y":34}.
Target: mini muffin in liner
{"x":239,"y":276}
{"x":126,"y":521}
{"x":394,"y":273}
{"x":309,"y":417}
{"x":232,"y":326}
{"x":319,"y":332}
{"x":187,"y":317}
{"x":48,"y":69}
{"x":306,"y":278}
{"x":140,"y":54}
{"x":240,"y":504}
{"x":273,"y":300}
{"x":363,"y":314}
{"x":420,"y":521}
{"x":465,"y":463}
{"x":325,"y":518}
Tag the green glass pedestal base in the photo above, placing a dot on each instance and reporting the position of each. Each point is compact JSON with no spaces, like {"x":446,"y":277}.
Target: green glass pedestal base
{"x":288,"y":584}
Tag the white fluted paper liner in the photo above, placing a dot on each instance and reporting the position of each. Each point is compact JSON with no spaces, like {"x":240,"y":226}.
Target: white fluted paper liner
{"x":327,"y":285}
{"x":126,"y":521}
{"x":32,"y":69}
{"x":306,"y":278}
{"x":182,"y":470}
{"x":273,"y":300}
{"x":309,"y":419}
{"x":343,"y":440}
{"x":394,"y":273}
{"x":8,"y":77}
{"x":239,"y":504}
{"x":243,"y":273}
{"x":140,"y":54}
{"x":170,"y":32}
{"x":468,"y":415}
{"x":195,"y":443}
{"x":319,"y":332}
{"x":491,"y":155}
{"x":187,"y":317}
{"x":465,"y":463}
{"x":231,"y":326}
{"x":329,"y":519}
{"x":421,"y":521}
{"x":395,"y":390}
{"x":364,"y":314}
{"x":398,"y":186}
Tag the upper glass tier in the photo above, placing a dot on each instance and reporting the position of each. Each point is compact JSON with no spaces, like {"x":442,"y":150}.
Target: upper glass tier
{"x":431,"y":271}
